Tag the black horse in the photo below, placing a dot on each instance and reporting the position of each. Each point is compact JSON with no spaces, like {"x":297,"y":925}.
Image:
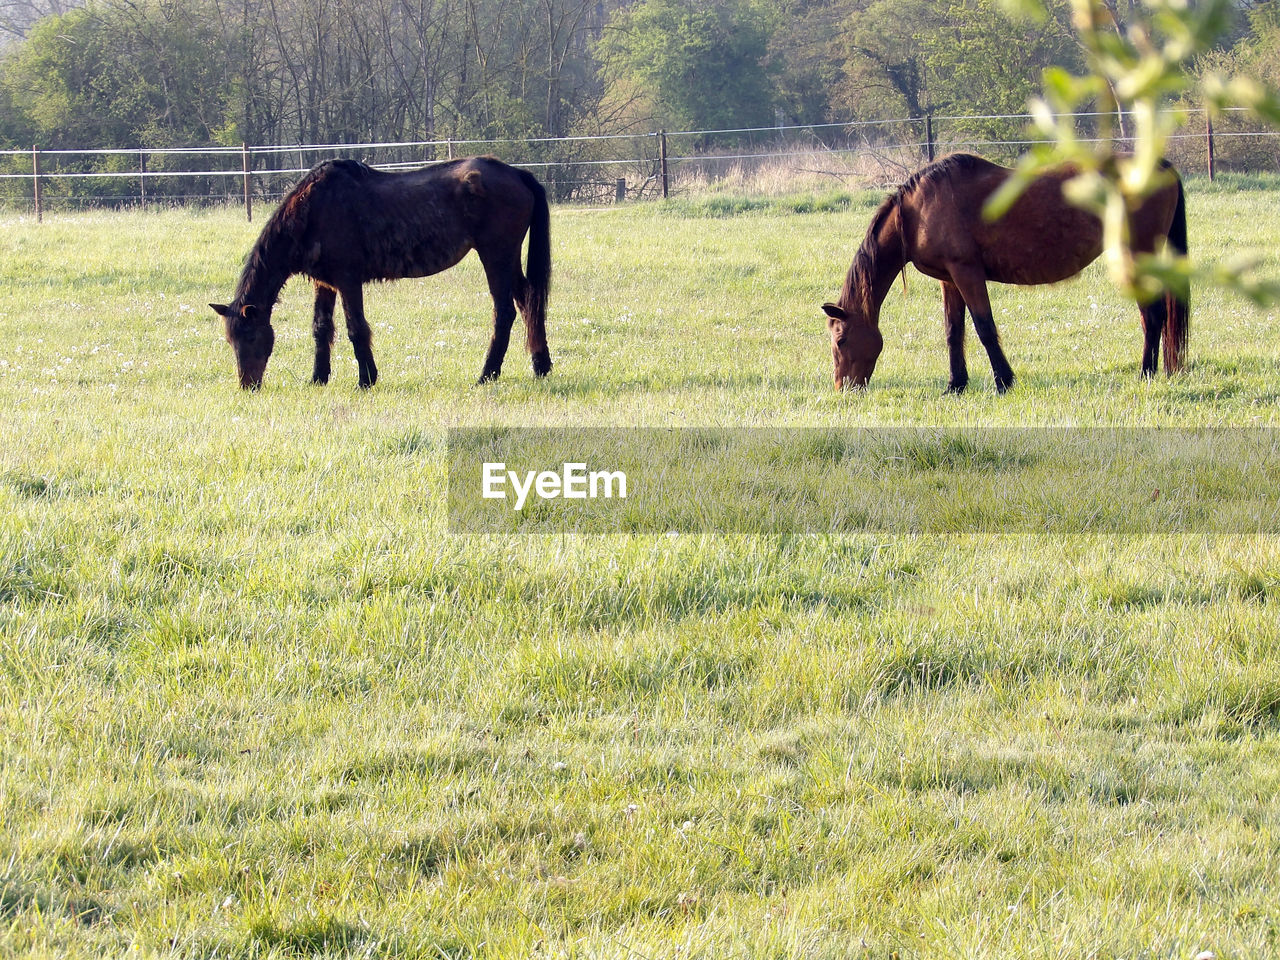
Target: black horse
{"x":345,"y":224}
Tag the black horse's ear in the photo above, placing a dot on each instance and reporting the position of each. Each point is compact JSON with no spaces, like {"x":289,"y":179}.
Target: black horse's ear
{"x":221,"y":309}
{"x":834,"y":312}
{"x":248,"y":311}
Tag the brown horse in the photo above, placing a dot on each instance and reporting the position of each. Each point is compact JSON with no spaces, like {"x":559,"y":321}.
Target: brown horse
{"x":345,"y":224}
{"x":935,"y":221}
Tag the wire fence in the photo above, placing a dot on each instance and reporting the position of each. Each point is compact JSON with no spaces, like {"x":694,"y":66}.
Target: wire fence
{"x":610,"y":168}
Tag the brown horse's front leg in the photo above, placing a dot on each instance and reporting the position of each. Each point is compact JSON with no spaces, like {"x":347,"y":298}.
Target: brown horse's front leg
{"x":359,"y":332}
{"x":953,"y":325}
{"x":322,"y":330}
{"x":972,"y":284}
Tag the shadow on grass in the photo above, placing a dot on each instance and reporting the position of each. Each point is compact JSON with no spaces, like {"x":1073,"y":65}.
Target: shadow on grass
{"x":316,"y":936}
{"x":18,"y":898}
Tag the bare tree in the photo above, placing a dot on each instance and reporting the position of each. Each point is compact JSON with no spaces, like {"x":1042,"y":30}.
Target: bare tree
{"x":17,"y":16}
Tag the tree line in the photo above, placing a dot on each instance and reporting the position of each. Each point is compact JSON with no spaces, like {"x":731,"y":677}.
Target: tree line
{"x":156,"y":73}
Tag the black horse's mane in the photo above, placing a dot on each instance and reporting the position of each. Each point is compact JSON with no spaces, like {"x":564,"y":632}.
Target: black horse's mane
{"x":857,"y":284}
{"x":272,"y":253}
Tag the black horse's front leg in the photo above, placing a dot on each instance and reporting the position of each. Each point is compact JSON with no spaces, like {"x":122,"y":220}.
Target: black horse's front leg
{"x":499,"y":273}
{"x":322,"y":330}
{"x":502,"y":321}
{"x":360,"y":333}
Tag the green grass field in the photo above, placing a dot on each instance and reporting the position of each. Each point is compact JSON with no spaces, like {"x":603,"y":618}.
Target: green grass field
{"x":256,"y":702}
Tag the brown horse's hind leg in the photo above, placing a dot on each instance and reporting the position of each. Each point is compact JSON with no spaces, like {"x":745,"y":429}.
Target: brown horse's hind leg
{"x":953,"y":325}
{"x":359,"y":332}
{"x":1153,"y":318}
{"x":972,"y":284}
{"x":499,"y":270}
{"x":322,"y":329}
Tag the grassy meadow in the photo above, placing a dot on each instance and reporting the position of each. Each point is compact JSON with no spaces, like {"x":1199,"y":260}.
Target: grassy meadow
{"x":256,"y":702}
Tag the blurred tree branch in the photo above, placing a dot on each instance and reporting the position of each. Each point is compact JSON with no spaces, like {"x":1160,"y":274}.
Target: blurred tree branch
{"x":1137,"y":68}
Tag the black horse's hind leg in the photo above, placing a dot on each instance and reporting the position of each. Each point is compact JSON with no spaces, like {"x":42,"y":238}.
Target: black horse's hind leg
{"x":535,"y":325}
{"x":953,"y":325}
{"x":359,"y":332}
{"x":499,"y":270}
{"x":322,"y":329}
{"x":1154,"y":315}
{"x":972,"y":284}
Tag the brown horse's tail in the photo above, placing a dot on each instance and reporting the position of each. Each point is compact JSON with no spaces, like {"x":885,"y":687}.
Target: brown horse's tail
{"x":538,"y":271}
{"x":1177,"y":300}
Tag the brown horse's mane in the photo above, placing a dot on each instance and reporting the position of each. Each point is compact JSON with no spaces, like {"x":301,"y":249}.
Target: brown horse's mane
{"x":271,"y":259}
{"x":862,"y":272}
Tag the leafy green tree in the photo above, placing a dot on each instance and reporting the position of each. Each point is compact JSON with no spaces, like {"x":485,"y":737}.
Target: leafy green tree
{"x":905,"y":58}
{"x":691,"y":65}
{"x":118,"y":75}
{"x":987,"y":63}
{"x":804,"y":57}
{"x":885,"y":65}
{"x":1142,"y":69}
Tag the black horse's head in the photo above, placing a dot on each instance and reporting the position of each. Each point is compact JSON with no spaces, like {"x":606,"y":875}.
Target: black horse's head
{"x":855,"y":346}
{"x":251,"y":337}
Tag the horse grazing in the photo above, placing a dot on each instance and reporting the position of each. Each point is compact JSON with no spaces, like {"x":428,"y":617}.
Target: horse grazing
{"x":935,"y":221}
{"x":346,"y":224}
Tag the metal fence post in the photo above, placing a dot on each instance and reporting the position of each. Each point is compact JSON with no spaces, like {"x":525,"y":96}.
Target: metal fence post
{"x":928,"y":136}
{"x":662,"y":159}
{"x":142,"y":177}
{"x":248,"y":193}
{"x":35,"y":182}
{"x":1208,"y":132}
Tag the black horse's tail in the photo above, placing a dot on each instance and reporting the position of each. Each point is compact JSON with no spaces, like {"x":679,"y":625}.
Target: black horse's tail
{"x":1177,"y":300}
{"x":538,"y":272}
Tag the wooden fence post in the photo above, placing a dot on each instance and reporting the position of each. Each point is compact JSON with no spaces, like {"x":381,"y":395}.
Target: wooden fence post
{"x":662,"y":159}
{"x":928,"y":136}
{"x":620,"y":190}
{"x":142,"y":177}
{"x":35,"y":181}
{"x":248,"y":193}
{"x":1208,"y":131}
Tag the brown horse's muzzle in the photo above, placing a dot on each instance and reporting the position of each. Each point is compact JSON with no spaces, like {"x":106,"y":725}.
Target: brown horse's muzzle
{"x":855,"y":352}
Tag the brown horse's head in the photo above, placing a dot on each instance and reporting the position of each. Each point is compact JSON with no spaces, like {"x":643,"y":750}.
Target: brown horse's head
{"x":251,"y":337}
{"x":855,"y":346}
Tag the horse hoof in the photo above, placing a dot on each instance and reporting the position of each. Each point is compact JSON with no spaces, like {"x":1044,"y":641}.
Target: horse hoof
{"x":1002,"y":386}
{"x":486,"y":378}
{"x":541,"y":364}
{"x":957,"y":386}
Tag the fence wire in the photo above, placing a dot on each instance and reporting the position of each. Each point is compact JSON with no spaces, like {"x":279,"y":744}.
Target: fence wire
{"x":604,"y":168}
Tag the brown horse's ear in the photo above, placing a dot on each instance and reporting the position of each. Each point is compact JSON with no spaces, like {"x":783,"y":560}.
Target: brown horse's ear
{"x":221,"y":309}
{"x":834,"y":312}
